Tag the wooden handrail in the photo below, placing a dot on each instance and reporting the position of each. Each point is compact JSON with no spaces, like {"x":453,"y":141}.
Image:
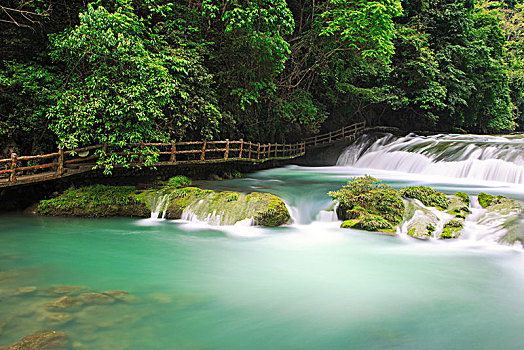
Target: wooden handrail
{"x":17,"y":167}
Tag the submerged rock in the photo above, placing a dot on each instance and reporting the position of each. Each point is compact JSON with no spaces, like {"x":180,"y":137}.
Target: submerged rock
{"x":58,"y":318}
{"x":96,"y":298}
{"x":25,"y":290}
{"x":64,"y":304}
{"x":40,"y":340}
{"x":121,"y":296}
{"x":64,"y":290}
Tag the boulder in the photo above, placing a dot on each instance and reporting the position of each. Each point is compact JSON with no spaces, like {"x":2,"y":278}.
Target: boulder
{"x":421,"y":222}
{"x":40,"y":340}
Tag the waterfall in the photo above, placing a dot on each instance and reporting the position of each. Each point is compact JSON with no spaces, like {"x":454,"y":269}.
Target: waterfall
{"x":493,"y":158}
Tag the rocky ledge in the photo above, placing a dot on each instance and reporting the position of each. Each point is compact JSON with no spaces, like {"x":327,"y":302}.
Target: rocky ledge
{"x":173,"y":199}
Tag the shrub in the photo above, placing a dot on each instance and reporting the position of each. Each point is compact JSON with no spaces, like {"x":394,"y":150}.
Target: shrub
{"x":178,"y":182}
{"x":372,"y":196}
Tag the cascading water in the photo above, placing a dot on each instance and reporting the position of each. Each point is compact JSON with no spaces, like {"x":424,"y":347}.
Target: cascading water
{"x":493,"y":158}
{"x":158,"y":202}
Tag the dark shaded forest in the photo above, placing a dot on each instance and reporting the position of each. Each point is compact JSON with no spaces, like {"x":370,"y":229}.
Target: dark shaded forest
{"x":79,"y":72}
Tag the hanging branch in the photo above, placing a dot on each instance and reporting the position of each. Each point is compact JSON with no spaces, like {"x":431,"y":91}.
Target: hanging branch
{"x":22,"y":18}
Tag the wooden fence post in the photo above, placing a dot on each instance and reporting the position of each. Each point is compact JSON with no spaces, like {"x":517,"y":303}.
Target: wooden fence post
{"x":268,"y":151}
{"x":315,"y":140}
{"x":60,"y":169}
{"x":173,"y":153}
{"x":258,"y":151}
{"x":249,"y":155}
{"x":276,"y":150}
{"x":203,"y":155}
{"x":329,"y":137}
{"x":241,"y":148}
{"x":12,"y":177}
{"x":226,"y":155}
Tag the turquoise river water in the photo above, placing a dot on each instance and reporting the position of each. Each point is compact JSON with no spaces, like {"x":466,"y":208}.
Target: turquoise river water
{"x":308,"y":285}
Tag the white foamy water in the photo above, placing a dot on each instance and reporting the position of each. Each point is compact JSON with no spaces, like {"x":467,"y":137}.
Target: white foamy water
{"x":493,"y":158}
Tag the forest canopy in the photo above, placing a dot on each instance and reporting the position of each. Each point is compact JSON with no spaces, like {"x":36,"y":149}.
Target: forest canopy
{"x":74,"y":73}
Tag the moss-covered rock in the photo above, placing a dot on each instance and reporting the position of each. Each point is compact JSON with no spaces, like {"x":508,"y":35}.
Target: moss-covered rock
{"x":95,"y":201}
{"x":221,"y":208}
{"x":485,"y":199}
{"x":227,"y":208}
{"x":364,"y":200}
{"x":458,"y":207}
{"x":452,"y":229}
{"x":369,"y":222}
{"x":428,"y":196}
{"x":463,"y":196}
{"x":421,"y":221}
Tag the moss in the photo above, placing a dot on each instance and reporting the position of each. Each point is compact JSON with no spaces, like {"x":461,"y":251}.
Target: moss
{"x":369,"y":223}
{"x":463,"y":196}
{"x":232,"y":197}
{"x":485,"y":199}
{"x":95,"y":201}
{"x":428,"y":196}
{"x":452,"y":229}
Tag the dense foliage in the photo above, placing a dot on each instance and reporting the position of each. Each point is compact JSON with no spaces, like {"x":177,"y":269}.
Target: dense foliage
{"x":368,"y":195}
{"x":77,"y":72}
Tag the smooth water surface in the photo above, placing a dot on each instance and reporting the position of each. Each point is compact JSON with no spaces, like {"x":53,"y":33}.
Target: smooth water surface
{"x":309,"y":285}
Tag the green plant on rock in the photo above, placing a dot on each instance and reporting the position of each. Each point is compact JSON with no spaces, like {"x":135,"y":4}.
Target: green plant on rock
{"x":178,"y":182}
{"x":428,"y":196}
{"x":372,"y":196}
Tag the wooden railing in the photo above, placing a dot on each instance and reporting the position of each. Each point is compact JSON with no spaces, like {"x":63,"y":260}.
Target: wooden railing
{"x":27,"y":169}
{"x":24,"y":169}
{"x":347,"y":132}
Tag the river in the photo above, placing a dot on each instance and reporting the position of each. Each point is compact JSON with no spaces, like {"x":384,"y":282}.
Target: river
{"x":308,"y":285}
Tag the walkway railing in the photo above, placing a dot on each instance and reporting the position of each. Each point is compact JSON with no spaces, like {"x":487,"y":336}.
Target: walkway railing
{"x":347,"y":132}
{"x":28,"y":169}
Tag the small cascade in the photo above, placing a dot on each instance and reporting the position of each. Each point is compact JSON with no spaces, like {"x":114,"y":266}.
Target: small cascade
{"x":491,"y":158}
{"x":203,"y":211}
{"x":328,"y":215}
{"x":158,"y":202}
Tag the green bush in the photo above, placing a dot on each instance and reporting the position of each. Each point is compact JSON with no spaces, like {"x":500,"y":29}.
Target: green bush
{"x":178,"y":182}
{"x":372,"y":196}
{"x":428,"y":196}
